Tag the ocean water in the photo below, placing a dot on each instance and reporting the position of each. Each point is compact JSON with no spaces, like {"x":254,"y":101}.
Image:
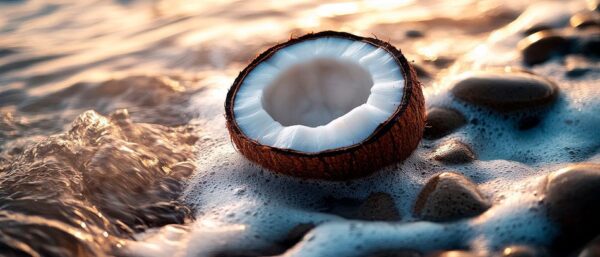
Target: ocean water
{"x":113,"y":139}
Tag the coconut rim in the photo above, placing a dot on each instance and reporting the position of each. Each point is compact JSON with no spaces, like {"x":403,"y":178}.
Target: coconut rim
{"x":379,"y":131}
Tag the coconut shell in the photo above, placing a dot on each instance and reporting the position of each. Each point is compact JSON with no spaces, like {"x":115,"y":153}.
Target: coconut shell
{"x":391,"y":142}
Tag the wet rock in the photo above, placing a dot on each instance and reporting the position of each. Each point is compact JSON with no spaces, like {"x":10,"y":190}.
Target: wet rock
{"x":441,"y":122}
{"x":541,"y":46}
{"x":578,"y":65}
{"x":522,"y":251}
{"x":575,"y":72}
{"x":572,"y":197}
{"x":377,"y":207}
{"x":594,"y":5}
{"x":399,"y":253}
{"x":585,"y":20}
{"x":454,"y":152}
{"x":588,"y":44}
{"x":592,"y":249}
{"x":449,"y":196}
{"x":413,"y":33}
{"x":505,"y":91}
{"x":455,"y":253}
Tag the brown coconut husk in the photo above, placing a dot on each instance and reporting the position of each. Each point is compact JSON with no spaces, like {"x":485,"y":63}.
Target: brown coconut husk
{"x":391,"y":142}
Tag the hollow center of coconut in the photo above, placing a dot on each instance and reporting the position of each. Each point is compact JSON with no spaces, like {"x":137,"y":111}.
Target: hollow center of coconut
{"x":320,"y":94}
{"x":315,"y":92}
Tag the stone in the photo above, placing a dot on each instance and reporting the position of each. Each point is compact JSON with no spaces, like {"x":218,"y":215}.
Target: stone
{"x":594,"y":5}
{"x":454,"y":152}
{"x":577,"y":71}
{"x":505,"y":90}
{"x":585,"y":20}
{"x":441,"y":122}
{"x":449,"y":196}
{"x":376,"y":207}
{"x":413,"y":33}
{"x":578,"y":65}
{"x":541,"y":46}
{"x":522,"y":251}
{"x":572,"y":196}
{"x":592,"y":249}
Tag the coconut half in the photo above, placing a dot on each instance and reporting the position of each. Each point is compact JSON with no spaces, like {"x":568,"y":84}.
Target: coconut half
{"x":327,"y":105}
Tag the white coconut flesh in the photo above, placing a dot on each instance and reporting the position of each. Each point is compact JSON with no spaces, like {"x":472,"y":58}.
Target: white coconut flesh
{"x":319,"y":94}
